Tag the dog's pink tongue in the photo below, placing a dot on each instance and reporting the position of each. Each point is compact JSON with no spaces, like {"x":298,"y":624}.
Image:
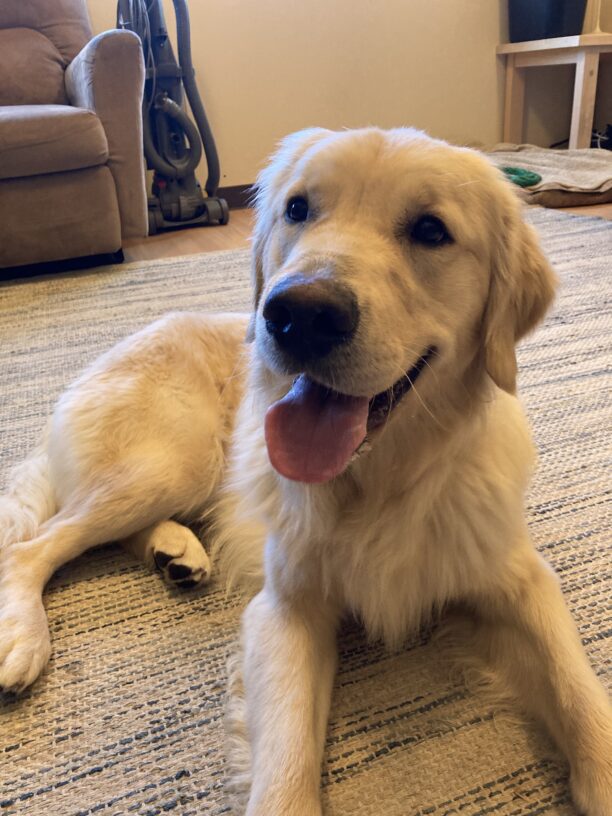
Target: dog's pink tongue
{"x":311,"y":433}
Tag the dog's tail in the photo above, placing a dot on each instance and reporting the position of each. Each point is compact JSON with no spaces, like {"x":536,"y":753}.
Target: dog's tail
{"x":29,"y":498}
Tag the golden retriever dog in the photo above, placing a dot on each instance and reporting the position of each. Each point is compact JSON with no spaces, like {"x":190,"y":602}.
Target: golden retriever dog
{"x":359,"y":444}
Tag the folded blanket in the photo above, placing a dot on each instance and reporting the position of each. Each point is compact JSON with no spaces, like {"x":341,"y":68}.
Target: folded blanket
{"x":569,"y":177}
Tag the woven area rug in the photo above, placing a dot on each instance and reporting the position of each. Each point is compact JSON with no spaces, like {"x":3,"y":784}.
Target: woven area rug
{"x":127,"y":719}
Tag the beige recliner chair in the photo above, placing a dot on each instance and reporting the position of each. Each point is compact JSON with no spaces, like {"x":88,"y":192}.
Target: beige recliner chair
{"x":72,"y":178}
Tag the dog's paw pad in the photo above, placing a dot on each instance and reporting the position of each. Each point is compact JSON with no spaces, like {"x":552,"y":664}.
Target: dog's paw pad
{"x":162,"y":559}
{"x":184,"y":576}
{"x":181,"y":574}
{"x":178,"y":571}
{"x":188,"y":584}
{"x":180,"y":556}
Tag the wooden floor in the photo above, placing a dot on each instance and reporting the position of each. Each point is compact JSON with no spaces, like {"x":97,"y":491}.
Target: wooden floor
{"x":235,"y":235}
{"x":600,"y":211}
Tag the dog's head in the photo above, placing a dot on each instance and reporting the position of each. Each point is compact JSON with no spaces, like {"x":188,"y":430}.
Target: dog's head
{"x":382,"y":258}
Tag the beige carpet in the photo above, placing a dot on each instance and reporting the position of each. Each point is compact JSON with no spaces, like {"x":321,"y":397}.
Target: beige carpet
{"x":128,"y":717}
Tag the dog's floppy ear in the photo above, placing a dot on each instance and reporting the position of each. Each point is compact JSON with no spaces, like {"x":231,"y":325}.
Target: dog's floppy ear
{"x":269,"y":184}
{"x":522,"y":287}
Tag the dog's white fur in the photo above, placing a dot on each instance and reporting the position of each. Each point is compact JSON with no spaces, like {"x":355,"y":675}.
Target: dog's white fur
{"x":431,"y":513}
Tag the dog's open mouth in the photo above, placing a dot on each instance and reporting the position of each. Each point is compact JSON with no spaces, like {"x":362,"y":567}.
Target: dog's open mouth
{"x":313,"y":431}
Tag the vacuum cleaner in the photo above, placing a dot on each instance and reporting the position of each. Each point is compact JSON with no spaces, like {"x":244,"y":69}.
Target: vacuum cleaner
{"x":172,"y":143}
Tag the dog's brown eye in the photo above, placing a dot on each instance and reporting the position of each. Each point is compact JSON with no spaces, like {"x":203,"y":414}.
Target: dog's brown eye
{"x":430,"y":231}
{"x":297,"y":209}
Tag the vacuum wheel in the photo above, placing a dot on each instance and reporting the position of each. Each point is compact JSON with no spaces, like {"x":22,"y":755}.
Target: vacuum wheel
{"x":218,"y":210}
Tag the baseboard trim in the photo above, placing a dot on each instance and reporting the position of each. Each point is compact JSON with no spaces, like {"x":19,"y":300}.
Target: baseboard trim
{"x":68,"y":265}
{"x":238,"y":197}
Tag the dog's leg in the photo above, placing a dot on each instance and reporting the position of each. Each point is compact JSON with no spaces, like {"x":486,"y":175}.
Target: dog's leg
{"x":175,"y":550}
{"x":529,"y":635}
{"x":25,"y":567}
{"x":289,"y":665}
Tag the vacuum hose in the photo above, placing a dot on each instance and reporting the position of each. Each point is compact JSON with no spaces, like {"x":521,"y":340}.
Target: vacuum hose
{"x":183,"y":37}
{"x":178,"y":169}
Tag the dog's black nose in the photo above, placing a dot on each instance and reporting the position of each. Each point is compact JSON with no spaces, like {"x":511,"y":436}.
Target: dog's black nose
{"x":308,"y":317}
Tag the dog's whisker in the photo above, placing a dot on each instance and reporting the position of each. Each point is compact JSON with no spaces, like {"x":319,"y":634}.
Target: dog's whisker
{"x":434,"y":372}
{"x":424,"y":404}
{"x":391,"y":404}
{"x":416,"y":353}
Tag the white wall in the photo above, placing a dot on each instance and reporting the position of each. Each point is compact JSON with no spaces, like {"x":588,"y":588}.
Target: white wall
{"x":267,"y":67}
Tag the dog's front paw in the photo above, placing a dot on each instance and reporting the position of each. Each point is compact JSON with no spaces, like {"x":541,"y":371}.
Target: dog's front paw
{"x":24,"y":644}
{"x":180,"y":556}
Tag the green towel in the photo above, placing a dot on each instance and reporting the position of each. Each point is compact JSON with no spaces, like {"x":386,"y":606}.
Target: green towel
{"x":524,"y":178}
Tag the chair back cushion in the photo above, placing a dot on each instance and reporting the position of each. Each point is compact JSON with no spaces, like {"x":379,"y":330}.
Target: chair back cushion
{"x":65,"y":23}
{"x":31,"y":69}
{"x":38,"y":38}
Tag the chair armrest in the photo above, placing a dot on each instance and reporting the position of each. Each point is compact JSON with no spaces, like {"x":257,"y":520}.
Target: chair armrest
{"x":107,"y":77}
